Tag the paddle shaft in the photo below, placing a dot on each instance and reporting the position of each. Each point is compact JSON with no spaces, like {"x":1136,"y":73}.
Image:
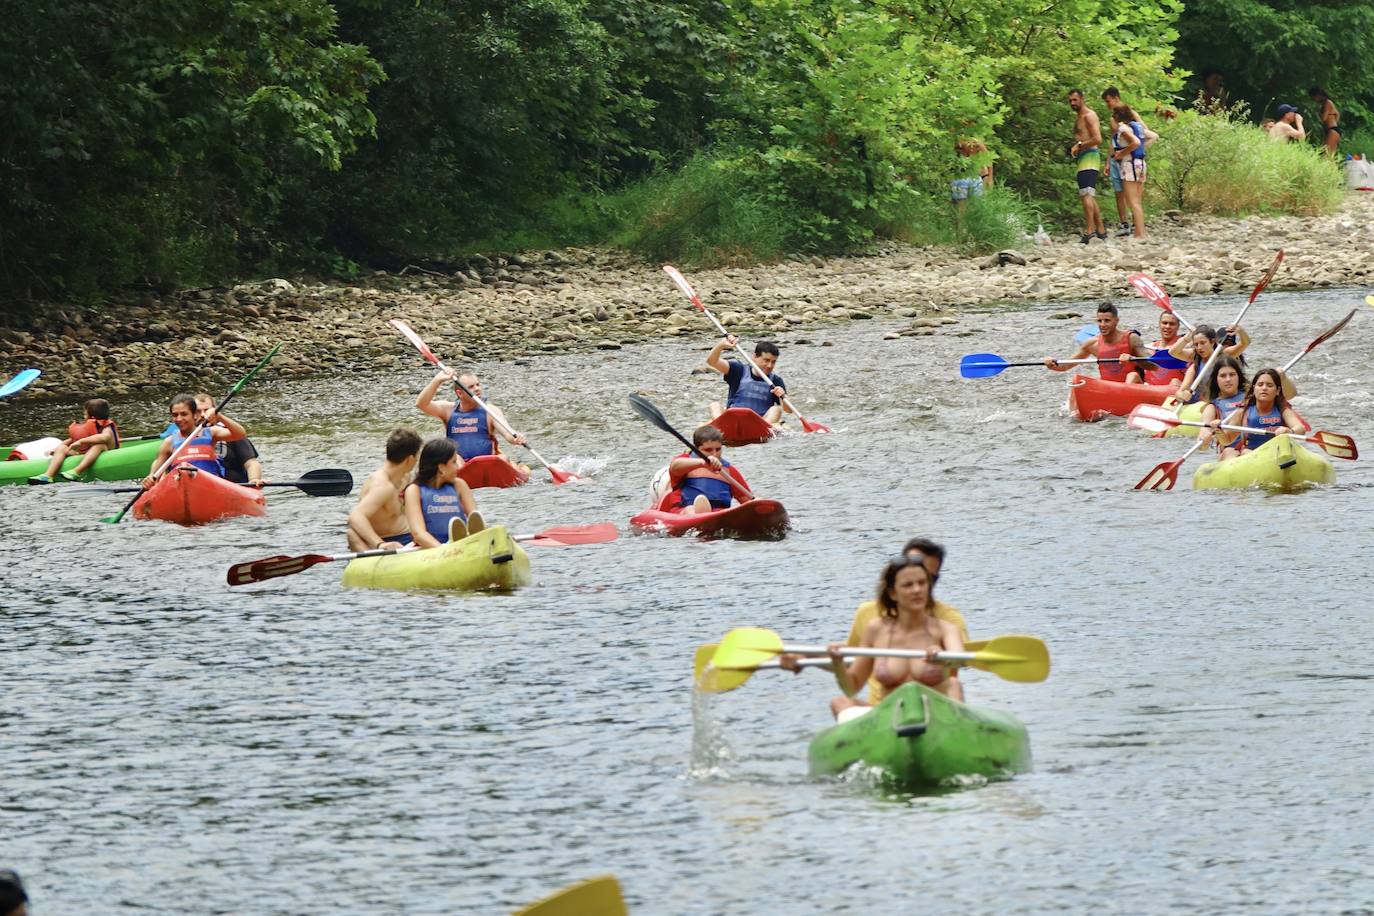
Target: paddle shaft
{"x":305,"y":483}
{"x":864,"y":652}
{"x":195,"y":432}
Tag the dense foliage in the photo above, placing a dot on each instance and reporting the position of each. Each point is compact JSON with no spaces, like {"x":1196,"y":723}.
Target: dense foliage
{"x":184,"y":142}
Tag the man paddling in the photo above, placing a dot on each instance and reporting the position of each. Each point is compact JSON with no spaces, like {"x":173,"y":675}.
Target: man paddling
{"x":1168,"y":336}
{"x":1111,"y":346}
{"x":747,"y":389}
{"x":200,"y":451}
{"x":379,"y":519}
{"x":471,"y":428}
{"x":238,"y":458}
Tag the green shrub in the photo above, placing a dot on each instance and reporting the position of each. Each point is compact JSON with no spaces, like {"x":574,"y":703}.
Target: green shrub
{"x":1222,"y":164}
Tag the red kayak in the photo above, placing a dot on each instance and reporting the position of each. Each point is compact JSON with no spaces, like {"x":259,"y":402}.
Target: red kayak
{"x":741,"y":426}
{"x":189,"y":496}
{"x":490,"y":471}
{"x":758,"y":518}
{"x":1094,"y":398}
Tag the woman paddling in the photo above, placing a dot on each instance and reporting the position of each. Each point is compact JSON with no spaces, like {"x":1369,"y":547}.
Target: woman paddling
{"x":1225,"y":393}
{"x":904,"y":622}
{"x":438,"y":496}
{"x":1268,"y":409}
{"x":1198,"y":349}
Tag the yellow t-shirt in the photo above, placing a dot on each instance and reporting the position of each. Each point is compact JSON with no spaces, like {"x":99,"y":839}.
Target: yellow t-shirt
{"x":869,"y":611}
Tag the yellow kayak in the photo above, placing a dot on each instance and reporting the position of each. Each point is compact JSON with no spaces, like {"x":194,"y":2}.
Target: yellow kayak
{"x":1280,"y":463}
{"x":489,"y":559}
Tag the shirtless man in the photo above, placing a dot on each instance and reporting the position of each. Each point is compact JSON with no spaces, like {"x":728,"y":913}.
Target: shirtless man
{"x":1288,"y":126}
{"x":762,"y":396}
{"x":1329,"y":116}
{"x":1087,"y":133}
{"x":1112,"y":97}
{"x":379,"y":519}
{"x":472,"y":429}
{"x":1110,"y":345}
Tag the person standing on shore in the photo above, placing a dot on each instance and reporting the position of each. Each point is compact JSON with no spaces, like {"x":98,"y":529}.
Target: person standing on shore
{"x":1087,"y":134}
{"x":1329,"y":116}
{"x":1288,"y":125}
{"x":1112,"y":97}
{"x":973,"y":182}
{"x":1213,"y":97}
{"x":1128,"y":152}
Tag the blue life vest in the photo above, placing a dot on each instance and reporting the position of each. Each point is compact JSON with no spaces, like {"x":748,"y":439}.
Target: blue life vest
{"x":1254,"y":418}
{"x":717,"y":491}
{"x":439,"y":504}
{"x":748,"y":390}
{"x":1199,"y":380}
{"x":199,"y":452}
{"x":468,"y":430}
{"x":1139,"y":130}
{"x":1225,"y":407}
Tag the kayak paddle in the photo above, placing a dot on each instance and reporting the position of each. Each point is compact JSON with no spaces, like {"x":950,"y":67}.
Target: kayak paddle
{"x":743,"y":651}
{"x":1158,"y":419}
{"x":559,"y":476}
{"x":1172,"y":402}
{"x":1163,"y":476}
{"x":986,"y":365}
{"x":707,"y":651}
{"x":676,"y":276}
{"x":282,"y":565}
{"x":117,"y":517}
{"x":21,"y":380}
{"x":321,"y":482}
{"x":1156,"y":294}
{"x":593,"y":897}
{"x":646,"y":409}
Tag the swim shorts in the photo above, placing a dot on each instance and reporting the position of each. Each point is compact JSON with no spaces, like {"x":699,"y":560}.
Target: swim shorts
{"x":1115,"y":174}
{"x":962,"y":188}
{"x":1133,"y":170}
{"x":1087,"y":183}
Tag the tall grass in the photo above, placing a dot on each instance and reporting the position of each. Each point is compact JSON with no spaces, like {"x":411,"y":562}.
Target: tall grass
{"x":999,"y":218}
{"x":1223,"y":165}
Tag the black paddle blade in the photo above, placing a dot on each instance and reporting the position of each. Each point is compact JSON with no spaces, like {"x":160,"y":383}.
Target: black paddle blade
{"x":326,"y":482}
{"x":646,"y":409}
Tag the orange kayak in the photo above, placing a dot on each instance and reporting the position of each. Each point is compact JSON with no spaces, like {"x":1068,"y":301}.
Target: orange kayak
{"x":741,"y":426}
{"x":489,"y":471}
{"x":188,"y":496}
{"x":1094,"y":398}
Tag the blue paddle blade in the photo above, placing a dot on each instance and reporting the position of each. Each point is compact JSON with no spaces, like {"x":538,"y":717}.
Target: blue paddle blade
{"x":1163,"y":360}
{"x":981,"y":365}
{"x":1085,"y":334}
{"x":19,"y":382}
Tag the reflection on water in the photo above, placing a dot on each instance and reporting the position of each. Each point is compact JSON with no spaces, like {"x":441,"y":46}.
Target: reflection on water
{"x":176,"y":745}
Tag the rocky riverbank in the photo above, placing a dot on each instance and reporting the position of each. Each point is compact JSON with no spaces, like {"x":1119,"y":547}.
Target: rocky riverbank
{"x":573,"y":299}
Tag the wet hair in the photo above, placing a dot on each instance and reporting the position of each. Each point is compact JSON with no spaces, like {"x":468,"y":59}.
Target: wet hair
{"x":970,"y":147}
{"x":435,"y":452}
{"x":1106,"y":307}
{"x":888,"y":580}
{"x":1214,"y":386}
{"x":12,"y":892}
{"x":1077,"y":92}
{"x":401,"y":444}
{"x":1280,"y":402}
{"x":1125,"y":114}
{"x":705,"y":434}
{"x":98,"y":409}
{"x":1111,"y":92}
{"x":188,"y":399}
{"x":930,"y":549}
{"x":766,"y":346}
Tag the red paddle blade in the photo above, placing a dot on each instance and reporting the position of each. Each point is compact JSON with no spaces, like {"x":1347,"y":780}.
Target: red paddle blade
{"x":1161,"y":477}
{"x":570,"y":535}
{"x":272,"y":568}
{"x":1151,"y":290}
{"x":811,"y":426}
{"x":560,"y":476}
{"x":1268,"y":275}
{"x":414,"y":338}
{"x":1151,"y":418}
{"x":676,"y":276}
{"x":1336,"y":445}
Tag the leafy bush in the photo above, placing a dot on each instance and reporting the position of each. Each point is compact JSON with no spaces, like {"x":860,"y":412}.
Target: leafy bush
{"x":1222,"y":164}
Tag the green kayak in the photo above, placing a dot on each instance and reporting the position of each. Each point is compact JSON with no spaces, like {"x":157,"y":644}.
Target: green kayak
{"x":920,"y":737}
{"x":128,"y":462}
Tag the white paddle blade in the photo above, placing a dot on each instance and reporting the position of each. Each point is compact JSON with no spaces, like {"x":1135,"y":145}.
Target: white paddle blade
{"x":1151,"y":418}
{"x":676,"y":276}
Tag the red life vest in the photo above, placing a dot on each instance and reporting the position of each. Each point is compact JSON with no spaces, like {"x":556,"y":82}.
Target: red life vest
{"x":1109,"y":368}
{"x":90,"y":428}
{"x":1157,"y":376}
{"x":673,"y":498}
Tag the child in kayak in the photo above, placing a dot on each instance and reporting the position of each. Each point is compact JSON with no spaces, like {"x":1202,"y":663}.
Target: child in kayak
{"x":1197,"y":349}
{"x":905,"y":622}
{"x":200,"y":451}
{"x":94,"y":434}
{"x":438,"y":496}
{"x":1225,"y":393}
{"x":1267,"y":408}
{"x":379,"y":519}
{"x":700,"y":486}
{"x":238,"y":458}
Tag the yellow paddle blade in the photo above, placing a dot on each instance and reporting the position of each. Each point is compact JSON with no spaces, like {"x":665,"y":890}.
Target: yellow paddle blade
{"x":1024,"y":659}
{"x":747,"y":647}
{"x":719,"y":680}
{"x":705,"y":652}
{"x":593,"y":897}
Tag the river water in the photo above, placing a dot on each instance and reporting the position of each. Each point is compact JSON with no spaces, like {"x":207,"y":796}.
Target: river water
{"x":1204,"y":741}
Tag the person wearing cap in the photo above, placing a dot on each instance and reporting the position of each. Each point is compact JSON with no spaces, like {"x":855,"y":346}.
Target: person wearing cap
{"x":1288,"y":125}
{"x":472,"y":427}
{"x":13,"y":899}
